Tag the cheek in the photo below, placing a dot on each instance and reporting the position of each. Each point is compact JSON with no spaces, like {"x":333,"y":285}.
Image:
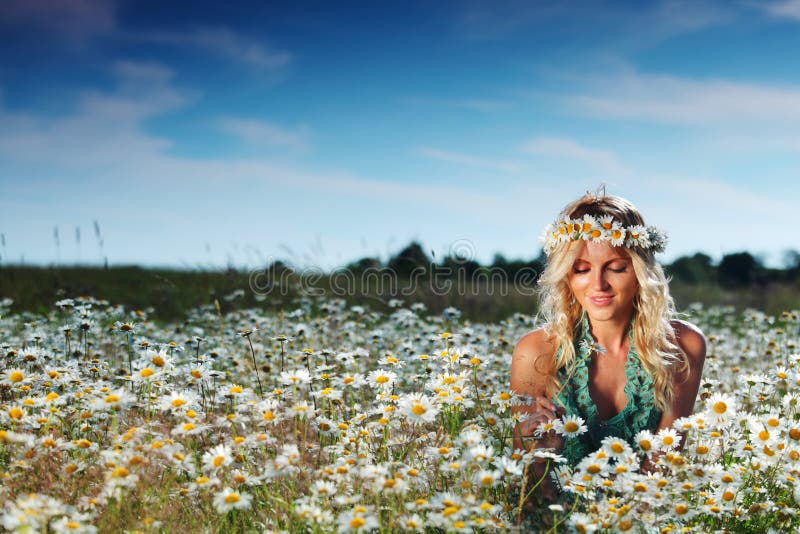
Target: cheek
{"x":632,"y":286}
{"x":576,"y":283}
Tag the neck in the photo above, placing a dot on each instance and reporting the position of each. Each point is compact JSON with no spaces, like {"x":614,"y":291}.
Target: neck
{"x":612,"y":335}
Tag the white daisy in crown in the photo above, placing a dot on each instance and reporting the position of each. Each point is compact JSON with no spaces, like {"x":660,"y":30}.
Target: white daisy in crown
{"x":603,"y":229}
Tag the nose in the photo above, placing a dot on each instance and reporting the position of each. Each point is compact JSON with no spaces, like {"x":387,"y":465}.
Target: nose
{"x":599,"y":281}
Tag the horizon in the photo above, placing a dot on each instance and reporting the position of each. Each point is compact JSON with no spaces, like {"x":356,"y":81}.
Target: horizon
{"x":433,"y":257}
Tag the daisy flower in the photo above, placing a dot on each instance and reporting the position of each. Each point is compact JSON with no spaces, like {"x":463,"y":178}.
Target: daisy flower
{"x":354,"y":380}
{"x":581,"y":522}
{"x":481,"y":452}
{"x":773,"y":421}
{"x":570,"y":426}
{"x":359,"y":519}
{"x":295,"y":377}
{"x":112,"y":400}
{"x":668,"y":439}
{"x":228,"y":499}
{"x":791,"y":401}
{"x":328,"y":393}
{"x":391,"y":361}
{"x":637,"y":236}
{"x":15,"y":377}
{"x":327,"y":426}
{"x":504,"y":399}
{"x":614,"y":447}
{"x":509,"y":467}
{"x":593,"y":467}
{"x":323,"y":489}
{"x":189,"y":428}
{"x":160,"y":359}
{"x":381,"y":379}
{"x":147,"y":373}
{"x":243,"y":478}
{"x":418,"y":408}
{"x":720,"y":409}
{"x":411,"y":523}
{"x":75,"y":523}
{"x":645,"y":441}
{"x":177,"y":401}
{"x":486,"y":478}
{"x":217,"y":457}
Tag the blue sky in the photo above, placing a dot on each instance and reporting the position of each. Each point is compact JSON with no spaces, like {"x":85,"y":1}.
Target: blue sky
{"x":321,"y":132}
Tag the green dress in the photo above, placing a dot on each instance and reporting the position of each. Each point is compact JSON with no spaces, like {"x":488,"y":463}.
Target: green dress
{"x":640,"y":413}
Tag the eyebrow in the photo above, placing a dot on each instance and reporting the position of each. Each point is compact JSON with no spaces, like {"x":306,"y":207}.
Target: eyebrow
{"x":608,"y":261}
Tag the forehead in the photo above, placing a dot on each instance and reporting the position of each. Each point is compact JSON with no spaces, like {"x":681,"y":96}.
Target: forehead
{"x":591,"y":251}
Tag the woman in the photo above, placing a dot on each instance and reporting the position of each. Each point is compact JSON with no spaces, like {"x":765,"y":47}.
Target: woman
{"x":611,"y":350}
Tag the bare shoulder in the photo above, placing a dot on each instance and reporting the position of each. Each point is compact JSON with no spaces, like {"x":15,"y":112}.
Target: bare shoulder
{"x":531,"y":363}
{"x":534,"y":343}
{"x":691,"y":341}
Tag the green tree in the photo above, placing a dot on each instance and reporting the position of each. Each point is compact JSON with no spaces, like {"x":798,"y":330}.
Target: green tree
{"x":696,"y":269}
{"x":740,"y":269}
{"x":408,"y":259}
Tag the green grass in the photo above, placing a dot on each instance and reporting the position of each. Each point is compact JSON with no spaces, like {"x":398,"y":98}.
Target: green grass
{"x":171,"y":293}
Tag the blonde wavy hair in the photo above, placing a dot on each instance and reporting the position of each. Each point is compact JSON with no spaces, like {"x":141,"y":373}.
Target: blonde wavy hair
{"x":654,"y":308}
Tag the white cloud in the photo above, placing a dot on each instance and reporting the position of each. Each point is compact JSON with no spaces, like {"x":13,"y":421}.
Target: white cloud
{"x":226,"y":43}
{"x":668,"y":19}
{"x":105,"y":128}
{"x":569,"y":149}
{"x":783,"y":8}
{"x":260,"y":133}
{"x":467,"y":159}
{"x":619,"y":24}
{"x":675,"y":100}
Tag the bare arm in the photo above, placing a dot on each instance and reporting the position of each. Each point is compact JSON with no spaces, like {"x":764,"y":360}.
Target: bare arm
{"x":531,"y":366}
{"x":693,"y":344}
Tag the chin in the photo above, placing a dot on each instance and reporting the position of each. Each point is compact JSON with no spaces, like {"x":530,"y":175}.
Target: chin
{"x":603,"y":314}
{"x":594,"y":316}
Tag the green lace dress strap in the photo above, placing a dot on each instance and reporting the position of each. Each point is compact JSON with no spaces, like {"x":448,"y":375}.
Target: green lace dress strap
{"x":640,"y":413}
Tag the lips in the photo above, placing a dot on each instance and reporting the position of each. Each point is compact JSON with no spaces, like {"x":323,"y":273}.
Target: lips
{"x":601,"y":300}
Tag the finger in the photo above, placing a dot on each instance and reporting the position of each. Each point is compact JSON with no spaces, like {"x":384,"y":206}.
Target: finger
{"x":542,"y":417}
{"x":530,"y":425}
{"x":544,"y":402}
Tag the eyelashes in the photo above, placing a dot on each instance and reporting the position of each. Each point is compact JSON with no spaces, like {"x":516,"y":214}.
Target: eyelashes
{"x":584,"y":271}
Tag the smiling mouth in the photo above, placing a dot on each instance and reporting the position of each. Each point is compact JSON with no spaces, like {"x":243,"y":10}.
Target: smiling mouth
{"x":600,"y":301}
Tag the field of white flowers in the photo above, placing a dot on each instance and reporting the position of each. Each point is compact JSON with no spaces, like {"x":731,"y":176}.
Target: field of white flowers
{"x":331,"y":417}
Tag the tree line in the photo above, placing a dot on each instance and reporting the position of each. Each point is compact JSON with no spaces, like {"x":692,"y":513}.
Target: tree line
{"x":734,"y":270}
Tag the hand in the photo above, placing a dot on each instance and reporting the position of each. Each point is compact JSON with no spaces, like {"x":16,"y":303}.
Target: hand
{"x":539,"y":411}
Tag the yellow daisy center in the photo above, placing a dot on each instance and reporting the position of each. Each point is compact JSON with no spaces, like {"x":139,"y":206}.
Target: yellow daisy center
{"x":571,"y":426}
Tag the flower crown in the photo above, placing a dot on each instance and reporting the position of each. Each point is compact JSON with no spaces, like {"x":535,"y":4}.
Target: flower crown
{"x":605,"y":228}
